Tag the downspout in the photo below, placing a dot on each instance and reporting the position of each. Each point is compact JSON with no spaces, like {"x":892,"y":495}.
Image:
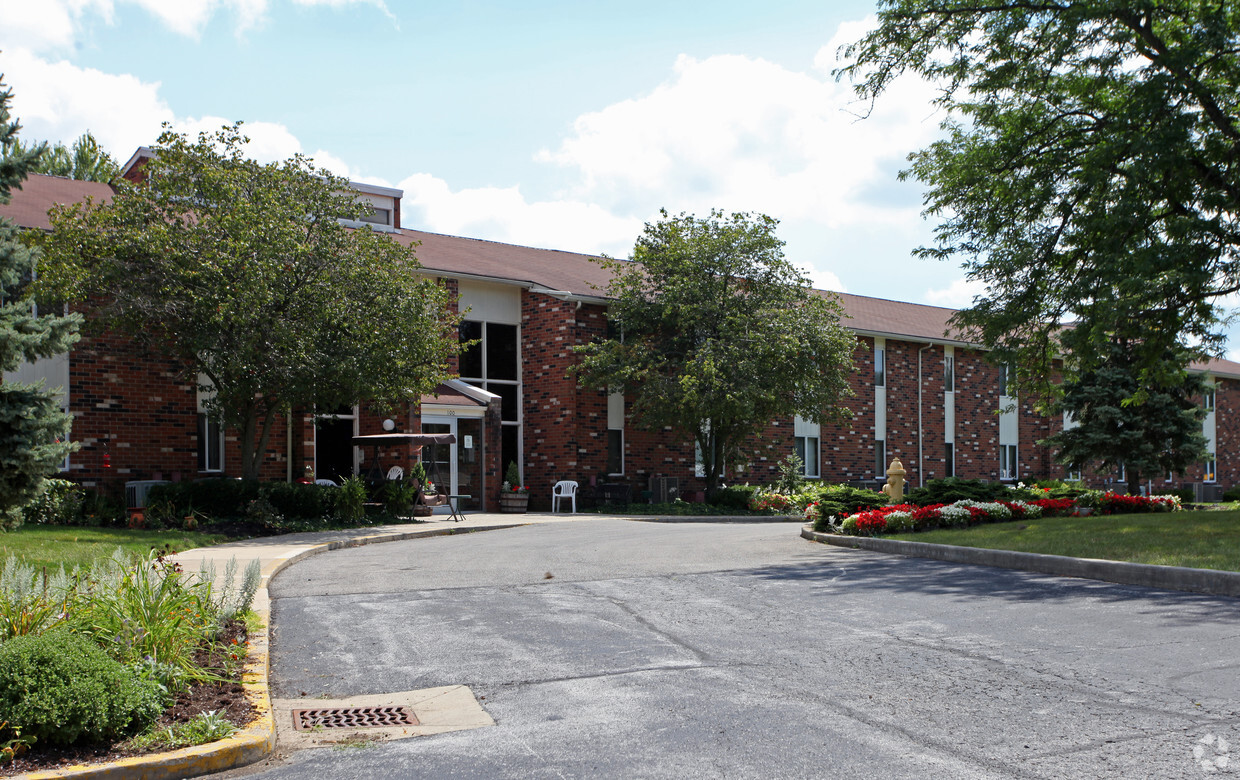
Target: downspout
{"x":921,"y":471}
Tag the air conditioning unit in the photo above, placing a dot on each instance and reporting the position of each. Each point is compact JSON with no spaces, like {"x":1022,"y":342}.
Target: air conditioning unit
{"x":664,"y":490}
{"x":136,"y":491}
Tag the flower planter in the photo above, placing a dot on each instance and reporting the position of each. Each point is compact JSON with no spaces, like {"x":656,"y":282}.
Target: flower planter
{"x":514,"y":503}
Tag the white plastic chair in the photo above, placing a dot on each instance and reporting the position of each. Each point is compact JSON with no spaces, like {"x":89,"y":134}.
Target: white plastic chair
{"x":565,"y":489}
{"x":396,"y":472}
{"x":325,"y":483}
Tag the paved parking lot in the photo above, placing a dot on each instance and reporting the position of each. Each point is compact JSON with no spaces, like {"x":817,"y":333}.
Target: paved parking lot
{"x":622,"y":649}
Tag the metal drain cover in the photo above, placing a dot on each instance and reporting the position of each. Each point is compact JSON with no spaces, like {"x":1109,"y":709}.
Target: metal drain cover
{"x":353,"y":718}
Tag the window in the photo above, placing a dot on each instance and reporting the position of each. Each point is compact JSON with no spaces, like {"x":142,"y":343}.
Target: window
{"x":378,"y":216}
{"x":1123,"y":473}
{"x":615,"y":433}
{"x":1007,"y":461}
{"x":1210,"y":474}
{"x":880,"y":367}
{"x":210,"y":436}
{"x":880,"y":459}
{"x":494,"y":365}
{"x":1073,"y":475}
{"x":210,"y":444}
{"x":949,"y":373}
{"x":1007,"y":379}
{"x":1208,"y":400}
{"x":805,"y":442}
{"x":949,"y":460}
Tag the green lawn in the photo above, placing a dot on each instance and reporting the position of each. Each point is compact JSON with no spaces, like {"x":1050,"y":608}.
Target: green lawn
{"x":52,"y":545}
{"x":1201,"y":540}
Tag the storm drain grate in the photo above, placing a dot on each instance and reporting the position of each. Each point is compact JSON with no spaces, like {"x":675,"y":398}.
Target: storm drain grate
{"x":352,"y":718}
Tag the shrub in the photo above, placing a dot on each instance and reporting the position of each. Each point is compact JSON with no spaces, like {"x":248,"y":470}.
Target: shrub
{"x":1186,"y":494}
{"x":61,"y":689}
{"x":734,"y":497}
{"x":791,"y":475}
{"x":351,"y":500}
{"x":299,"y":502}
{"x":953,"y":489}
{"x":59,"y":502}
{"x":839,"y":501}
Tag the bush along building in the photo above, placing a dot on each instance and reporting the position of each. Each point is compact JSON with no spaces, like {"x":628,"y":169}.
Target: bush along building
{"x":921,"y":396}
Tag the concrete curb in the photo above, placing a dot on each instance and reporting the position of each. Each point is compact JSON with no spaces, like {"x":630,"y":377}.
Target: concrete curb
{"x":258,"y":739}
{"x":1209,"y":581}
{"x":713,"y":518}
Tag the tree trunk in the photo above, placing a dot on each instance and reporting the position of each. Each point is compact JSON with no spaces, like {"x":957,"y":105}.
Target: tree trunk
{"x":1134,"y":482}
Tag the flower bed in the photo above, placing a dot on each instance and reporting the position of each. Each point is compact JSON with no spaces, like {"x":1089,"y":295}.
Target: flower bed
{"x":901,"y":518}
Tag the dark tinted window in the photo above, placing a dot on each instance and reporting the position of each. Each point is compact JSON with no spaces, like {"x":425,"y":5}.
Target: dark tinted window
{"x":501,"y":346}
{"x":471,"y":359}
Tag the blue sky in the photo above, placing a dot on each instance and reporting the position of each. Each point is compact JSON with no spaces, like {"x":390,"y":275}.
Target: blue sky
{"x":557,"y":124}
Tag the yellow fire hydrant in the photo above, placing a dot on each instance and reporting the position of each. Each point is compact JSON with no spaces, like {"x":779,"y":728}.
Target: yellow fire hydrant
{"x":894,"y":489}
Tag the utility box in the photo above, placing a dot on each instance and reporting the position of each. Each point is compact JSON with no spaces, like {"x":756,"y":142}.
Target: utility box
{"x":664,"y":490}
{"x":136,"y":492}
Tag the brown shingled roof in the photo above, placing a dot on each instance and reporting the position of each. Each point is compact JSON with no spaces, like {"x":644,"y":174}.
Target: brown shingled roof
{"x":564,"y":271}
{"x":569,"y":272}
{"x":29,"y":205}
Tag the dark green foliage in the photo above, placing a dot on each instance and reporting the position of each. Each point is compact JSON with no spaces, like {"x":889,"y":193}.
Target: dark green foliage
{"x":839,"y":501}
{"x":1148,"y":427}
{"x":1089,"y":169}
{"x":246,"y":274}
{"x":228,"y":499}
{"x":717,"y":333}
{"x":61,"y":689}
{"x":1186,"y":494}
{"x":512,"y":476}
{"x":59,"y":502}
{"x":733,"y":497}
{"x":952,"y":489}
{"x":34,"y":431}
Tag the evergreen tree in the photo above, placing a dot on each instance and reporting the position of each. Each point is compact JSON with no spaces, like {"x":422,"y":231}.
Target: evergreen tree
{"x":33,"y":429}
{"x":1157,"y":433}
{"x":86,"y":160}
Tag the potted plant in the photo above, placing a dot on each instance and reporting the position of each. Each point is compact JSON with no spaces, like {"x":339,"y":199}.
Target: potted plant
{"x":514,"y":498}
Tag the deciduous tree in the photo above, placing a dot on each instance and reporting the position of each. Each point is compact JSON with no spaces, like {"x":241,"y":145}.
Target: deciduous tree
{"x":86,"y":160}
{"x":246,"y":274}
{"x":1090,"y":171}
{"x":716,"y":334}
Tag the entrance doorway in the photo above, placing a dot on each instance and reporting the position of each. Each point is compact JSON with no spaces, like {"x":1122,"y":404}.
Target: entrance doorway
{"x":335,"y":456}
{"x":456,"y":468}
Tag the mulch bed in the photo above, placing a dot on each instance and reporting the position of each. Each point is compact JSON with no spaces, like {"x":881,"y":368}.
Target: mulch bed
{"x":227,"y":696}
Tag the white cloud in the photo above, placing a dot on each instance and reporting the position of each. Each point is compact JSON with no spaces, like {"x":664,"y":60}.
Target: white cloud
{"x":42,"y":25}
{"x":822,"y":279}
{"x":58,"y":101}
{"x":503,"y":214}
{"x":957,"y":295}
{"x":747,"y":134}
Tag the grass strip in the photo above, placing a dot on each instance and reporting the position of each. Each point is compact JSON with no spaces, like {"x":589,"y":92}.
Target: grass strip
{"x":51,"y":546}
{"x":1199,"y":540}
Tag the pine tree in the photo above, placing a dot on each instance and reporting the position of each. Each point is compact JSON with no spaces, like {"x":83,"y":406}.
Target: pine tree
{"x":1124,"y":423}
{"x":33,"y":429}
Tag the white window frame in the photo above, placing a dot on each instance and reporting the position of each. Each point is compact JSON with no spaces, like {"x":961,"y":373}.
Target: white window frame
{"x":1210,"y":473}
{"x":805,"y":432}
{"x":615,"y":424}
{"x":1009,"y":462}
{"x":208,"y":430}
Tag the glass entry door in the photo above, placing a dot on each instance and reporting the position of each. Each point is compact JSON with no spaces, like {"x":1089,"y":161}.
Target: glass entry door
{"x":456,"y":469}
{"x":440,"y":459}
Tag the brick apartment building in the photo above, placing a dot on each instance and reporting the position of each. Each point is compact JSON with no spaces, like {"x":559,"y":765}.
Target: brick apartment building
{"x":924,"y":397}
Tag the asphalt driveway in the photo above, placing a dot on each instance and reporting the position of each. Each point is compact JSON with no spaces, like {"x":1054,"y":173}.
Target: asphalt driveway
{"x":625,"y":649}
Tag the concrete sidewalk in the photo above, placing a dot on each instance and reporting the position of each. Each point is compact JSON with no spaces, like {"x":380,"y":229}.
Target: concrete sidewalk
{"x":274,"y":553}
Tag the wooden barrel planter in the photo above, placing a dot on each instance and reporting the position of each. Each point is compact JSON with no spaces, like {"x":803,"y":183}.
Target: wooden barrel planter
{"x":514,"y":503}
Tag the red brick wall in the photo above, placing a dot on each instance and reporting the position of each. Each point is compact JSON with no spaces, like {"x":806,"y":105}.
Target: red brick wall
{"x":141,"y":410}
